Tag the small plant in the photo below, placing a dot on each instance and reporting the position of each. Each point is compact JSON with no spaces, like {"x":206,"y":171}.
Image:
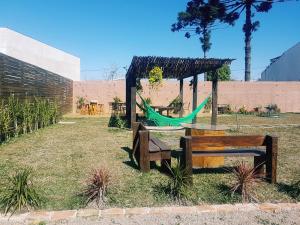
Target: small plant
{"x":19,"y":193}
{"x":273,"y":108}
{"x":148,"y":101}
{"x":117,"y":99}
{"x":96,"y":186}
{"x":155,"y":77}
{"x":244,"y":180}
{"x":243,"y":110}
{"x":207,"y":107}
{"x":117,"y":121}
{"x":177,"y":104}
{"x":80,"y":102}
{"x":179,"y":181}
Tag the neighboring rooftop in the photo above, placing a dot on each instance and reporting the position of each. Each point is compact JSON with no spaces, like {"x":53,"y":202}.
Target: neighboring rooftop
{"x":31,"y":51}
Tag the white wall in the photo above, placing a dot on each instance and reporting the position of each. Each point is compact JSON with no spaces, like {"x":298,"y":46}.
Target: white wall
{"x":39,"y":54}
{"x":286,"y":68}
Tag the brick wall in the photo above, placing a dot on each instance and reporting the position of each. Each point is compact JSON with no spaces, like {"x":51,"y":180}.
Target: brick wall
{"x":236,"y":93}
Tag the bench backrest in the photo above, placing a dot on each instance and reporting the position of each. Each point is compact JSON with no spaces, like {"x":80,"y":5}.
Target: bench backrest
{"x":136,"y":128}
{"x":228,"y":141}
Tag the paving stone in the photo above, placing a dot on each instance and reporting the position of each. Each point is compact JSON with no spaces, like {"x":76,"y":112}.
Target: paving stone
{"x":112,"y":212}
{"x":205,"y":208}
{"x":224,"y":208}
{"x":39,"y":215}
{"x":269,"y":207}
{"x":88,"y":213}
{"x":63,"y":215}
{"x":246,"y":207}
{"x":137,"y":211}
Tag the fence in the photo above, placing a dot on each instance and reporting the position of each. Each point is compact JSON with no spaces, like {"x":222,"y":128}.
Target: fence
{"x":25,"y":81}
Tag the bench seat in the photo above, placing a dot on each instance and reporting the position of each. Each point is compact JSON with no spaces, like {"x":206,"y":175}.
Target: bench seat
{"x":147,"y":148}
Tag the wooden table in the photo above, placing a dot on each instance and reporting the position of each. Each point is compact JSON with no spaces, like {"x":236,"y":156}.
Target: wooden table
{"x":206,"y":130}
{"x":160,"y":109}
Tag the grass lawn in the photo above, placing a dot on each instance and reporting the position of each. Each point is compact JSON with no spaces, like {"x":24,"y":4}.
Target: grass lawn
{"x":62,"y":156}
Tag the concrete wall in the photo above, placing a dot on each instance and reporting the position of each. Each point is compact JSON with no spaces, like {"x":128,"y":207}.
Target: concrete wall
{"x":39,"y":54}
{"x":236,"y":93}
{"x":285,"y":68}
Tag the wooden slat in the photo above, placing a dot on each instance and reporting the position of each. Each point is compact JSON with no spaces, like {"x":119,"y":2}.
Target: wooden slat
{"x":27,"y":81}
{"x":226,"y":141}
{"x":153,"y":147}
{"x":160,"y":144}
{"x":230,"y":152}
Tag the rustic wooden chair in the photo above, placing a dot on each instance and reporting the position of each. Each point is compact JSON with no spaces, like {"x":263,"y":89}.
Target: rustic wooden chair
{"x":147,"y":148}
{"x":192,"y":146}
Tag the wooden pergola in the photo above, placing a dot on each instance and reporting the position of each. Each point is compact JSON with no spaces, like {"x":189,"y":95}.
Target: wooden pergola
{"x":173,"y":68}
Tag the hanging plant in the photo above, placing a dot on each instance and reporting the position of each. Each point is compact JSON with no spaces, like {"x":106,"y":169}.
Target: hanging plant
{"x":155,"y":77}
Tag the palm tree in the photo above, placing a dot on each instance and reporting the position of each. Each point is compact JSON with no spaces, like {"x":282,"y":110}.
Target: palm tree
{"x":233,"y":10}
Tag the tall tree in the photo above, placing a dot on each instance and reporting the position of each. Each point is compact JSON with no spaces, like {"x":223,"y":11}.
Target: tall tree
{"x":233,"y":10}
{"x":200,"y":18}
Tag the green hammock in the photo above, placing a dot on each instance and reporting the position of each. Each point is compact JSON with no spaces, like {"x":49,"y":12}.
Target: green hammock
{"x":161,"y":120}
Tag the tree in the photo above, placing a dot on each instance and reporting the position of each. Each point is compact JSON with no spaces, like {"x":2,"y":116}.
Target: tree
{"x":233,"y":10}
{"x":223,"y":73}
{"x":200,"y":17}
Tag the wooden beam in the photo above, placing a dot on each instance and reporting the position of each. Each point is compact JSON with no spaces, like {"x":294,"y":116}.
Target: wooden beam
{"x":133,"y":99}
{"x":214,"y":98}
{"x":128,"y":99}
{"x":181,"y":97}
{"x":195,"y":94}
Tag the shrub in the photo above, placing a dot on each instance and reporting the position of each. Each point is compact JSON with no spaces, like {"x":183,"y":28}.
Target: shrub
{"x":19,"y":193}
{"x":155,"y":77}
{"x":80,"y":102}
{"x":18,"y":117}
{"x":207,"y":106}
{"x":179,"y":181}
{"x":117,"y":121}
{"x":177,"y":104}
{"x":245,"y":179}
{"x":96,"y":186}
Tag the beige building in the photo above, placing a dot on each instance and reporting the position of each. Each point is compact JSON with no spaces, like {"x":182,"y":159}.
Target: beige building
{"x":31,"y":51}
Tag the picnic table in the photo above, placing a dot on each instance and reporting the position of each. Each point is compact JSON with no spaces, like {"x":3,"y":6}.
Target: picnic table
{"x":160,"y":109}
{"x":118,"y":106}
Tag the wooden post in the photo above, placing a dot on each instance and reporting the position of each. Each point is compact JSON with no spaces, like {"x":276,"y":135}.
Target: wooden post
{"x":187,"y":160}
{"x":214,"y":98}
{"x":271,"y":158}
{"x":181,"y":97}
{"x":144,"y":151}
{"x":195,"y":94}
{"x":128,"y":99}
{"x":131,"y":98}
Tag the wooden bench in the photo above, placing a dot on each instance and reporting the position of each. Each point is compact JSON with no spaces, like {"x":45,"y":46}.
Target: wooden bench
{"x":266,"y":156}
{"x":147,"y":148}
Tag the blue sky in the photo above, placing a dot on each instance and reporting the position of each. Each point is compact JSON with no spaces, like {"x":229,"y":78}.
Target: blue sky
{"x":106,"y":34}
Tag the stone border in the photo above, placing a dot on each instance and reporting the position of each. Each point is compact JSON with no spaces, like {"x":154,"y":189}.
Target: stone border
{"x":65,"y":215}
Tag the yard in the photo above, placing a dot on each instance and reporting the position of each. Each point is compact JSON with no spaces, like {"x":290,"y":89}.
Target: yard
{"x":63,"y":155}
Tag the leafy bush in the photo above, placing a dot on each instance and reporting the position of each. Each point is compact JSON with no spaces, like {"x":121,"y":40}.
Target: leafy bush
{"x":96,"y":186}
{"x":80,"y":102}
{"x":223,"y":74}
{"x":177,"y":104}
{"x":117,"y":121}
{"x":155,"y":77}
{"x":18,"y":117}
{"x":19,"y":193}
{"x":245,"y":179}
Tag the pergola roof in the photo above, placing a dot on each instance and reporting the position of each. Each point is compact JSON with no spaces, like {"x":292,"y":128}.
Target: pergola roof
{"x":173,"y":68}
